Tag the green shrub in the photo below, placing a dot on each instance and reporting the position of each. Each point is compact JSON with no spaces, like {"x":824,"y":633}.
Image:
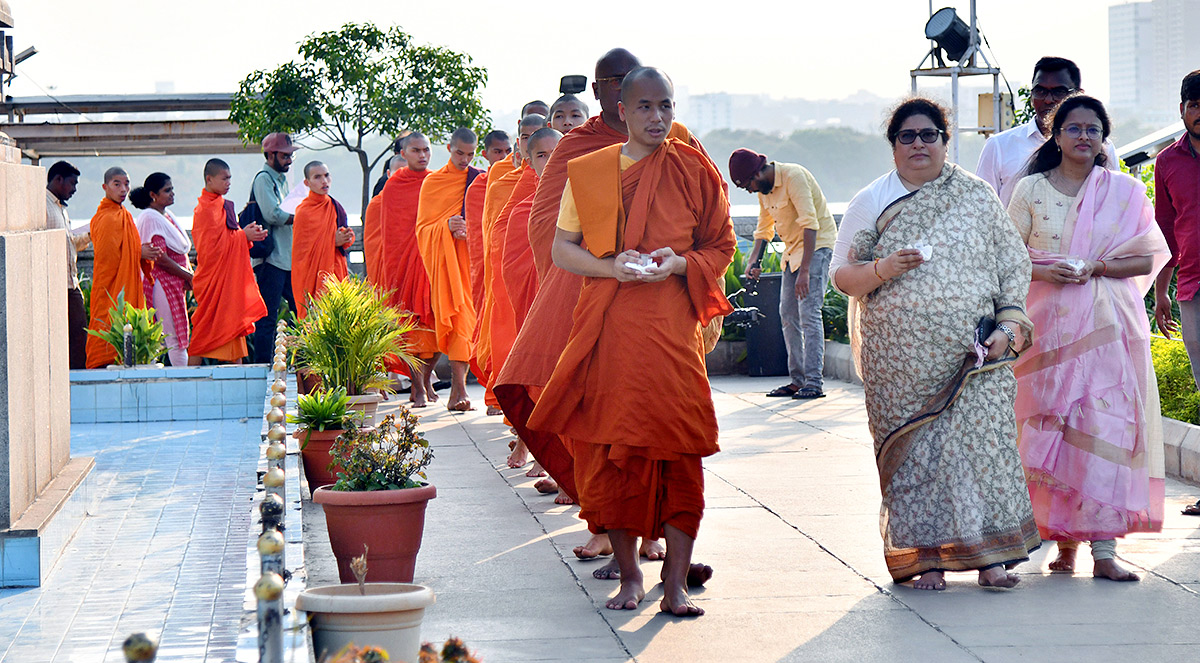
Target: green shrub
{"x":388,"y":457}
{"x":148,"y":337}
{"x":1176,"y":386}
{"x":835,"y":314}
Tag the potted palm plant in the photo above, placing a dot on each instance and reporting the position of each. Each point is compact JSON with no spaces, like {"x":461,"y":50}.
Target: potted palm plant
{"x":380,"y":496}
{"x":321,"y":415}
{"x":347,"y":334}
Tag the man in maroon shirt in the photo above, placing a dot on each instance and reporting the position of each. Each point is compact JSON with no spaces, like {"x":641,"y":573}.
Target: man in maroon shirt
{"x":1177,"y":209}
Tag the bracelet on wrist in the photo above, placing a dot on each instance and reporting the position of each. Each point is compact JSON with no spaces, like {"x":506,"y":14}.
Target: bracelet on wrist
{"x":1104,"y":265}
{"x":1012,"y":338}
{"x":877,"y":274}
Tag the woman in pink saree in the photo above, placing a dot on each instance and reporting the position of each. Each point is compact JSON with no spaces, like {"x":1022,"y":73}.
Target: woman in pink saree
{"x":1090,"y":433}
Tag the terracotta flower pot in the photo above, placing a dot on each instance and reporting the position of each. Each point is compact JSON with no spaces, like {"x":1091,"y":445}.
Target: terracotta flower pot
{"x":388,"y":616}
{"x":389,"y":522}
{"x":367,"y":404}
{"x":315,"y":455}
{"x":307,"y":381}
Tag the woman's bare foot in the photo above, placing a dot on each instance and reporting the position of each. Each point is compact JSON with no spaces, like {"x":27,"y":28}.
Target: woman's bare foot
{"x":996,"y":576}
{"x":597,"y":546}
{"x":536,"y":470}
{"x":610,"y":571}
{"x":932,"y":580}
{"x":1065,"y":562}
{"x":1108,"y":568}
{"x":629,"y":595}
{"x":677,"y":602}
{"x":652,"y":550}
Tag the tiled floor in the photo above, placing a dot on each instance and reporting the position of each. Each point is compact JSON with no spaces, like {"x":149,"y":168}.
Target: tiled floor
{"x":164,"y":553}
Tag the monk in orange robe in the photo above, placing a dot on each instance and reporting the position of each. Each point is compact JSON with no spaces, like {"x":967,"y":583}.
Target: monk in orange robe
{"x":567,"y":112}
{"x":228,"y":301}
{"x":520,"y":275}
{"x":544,"y":334}
{"x":496,"y":149}
{"x":120,"y":260}
{"x":321,"y":238}
{"x":441,"y":238}
{"x":654,"y":215}
{"x":403,"y":273}
{"x":373,"y":238}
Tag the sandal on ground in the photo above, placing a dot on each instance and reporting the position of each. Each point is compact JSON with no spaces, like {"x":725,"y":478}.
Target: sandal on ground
{"x":807,"y":393}
{"x":786,"y":391}
{"x":1192,"y":509}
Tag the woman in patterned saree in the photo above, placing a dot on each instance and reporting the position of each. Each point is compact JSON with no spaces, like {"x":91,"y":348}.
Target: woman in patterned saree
{"x":938,"y":277}
{"x":1087,"y":399}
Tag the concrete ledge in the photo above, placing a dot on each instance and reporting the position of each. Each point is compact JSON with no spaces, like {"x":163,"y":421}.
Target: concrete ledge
{"x":839,"y":363}
{"x":30,"y":548}
{"x":727,"y":358}
{"x":1181,"y":444}
{"x":168,"y":394}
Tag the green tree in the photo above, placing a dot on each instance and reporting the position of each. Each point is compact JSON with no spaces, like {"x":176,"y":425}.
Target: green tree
{"x":360,"y":81}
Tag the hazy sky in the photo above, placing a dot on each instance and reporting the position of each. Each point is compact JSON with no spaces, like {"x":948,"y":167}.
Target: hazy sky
{"x":786,"y":48}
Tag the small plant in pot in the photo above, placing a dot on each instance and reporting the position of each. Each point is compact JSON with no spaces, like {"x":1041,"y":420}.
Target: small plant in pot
{"x":347,"y":335}
{"x":146,"y":332}
{"x":380,"y":496}
{"x":322,"y":416}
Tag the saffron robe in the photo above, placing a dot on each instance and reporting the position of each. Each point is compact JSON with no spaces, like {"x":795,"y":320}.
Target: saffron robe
{"x":403,"y":272}
{"x":373,"y":239}
{"x":117,"y":267}
{"x":476,"y":194}
{"x":517,"y":268}
{"x":544,"y":334}
{"x":228,"y":302}
{"x":637,"y":467}
{"x":315,"y":252}
{"x":447,"y":261}
{"x":499,"y":324}
{"x":499,"y":189}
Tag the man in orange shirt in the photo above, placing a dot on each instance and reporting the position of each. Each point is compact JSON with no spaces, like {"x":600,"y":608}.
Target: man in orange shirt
{"x":655,"y":217}
{"x":441,"y":238}
{"x":120,"y":260}
{"x":320,"y":238}
{"x":228,"y":301}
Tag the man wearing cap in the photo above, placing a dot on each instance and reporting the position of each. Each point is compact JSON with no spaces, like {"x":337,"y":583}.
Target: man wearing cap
{"x":791,"y":204}
{"x":273,"y":273}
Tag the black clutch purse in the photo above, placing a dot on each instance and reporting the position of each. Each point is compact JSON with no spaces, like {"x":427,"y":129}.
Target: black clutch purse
{"x":983,"y":330}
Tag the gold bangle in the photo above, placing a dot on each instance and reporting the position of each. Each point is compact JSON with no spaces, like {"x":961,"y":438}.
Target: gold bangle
{"x":877,"y":274}
{"x":1105,"y":266}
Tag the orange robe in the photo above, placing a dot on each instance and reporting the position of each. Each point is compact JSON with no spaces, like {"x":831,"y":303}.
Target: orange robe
{"x":373,"y":239}
{"x":501,"y":182}
{"x":117,"y":267}
{"x":447,"y":261}
{"x":637,"y":467}
{"x":499,"y":323}
{"x":476,"y":194}
{"x":548,"y":323}
{"x":403,"y":272}
{"x":228,"y":302}
{"x":517,"y":268}
{"x":315,"y":253}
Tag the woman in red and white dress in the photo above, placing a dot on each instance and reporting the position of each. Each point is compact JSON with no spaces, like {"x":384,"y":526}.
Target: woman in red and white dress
{"x":172,"y":275}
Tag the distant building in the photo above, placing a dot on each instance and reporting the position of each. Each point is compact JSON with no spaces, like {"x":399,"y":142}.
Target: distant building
{"x":1151,"y":45}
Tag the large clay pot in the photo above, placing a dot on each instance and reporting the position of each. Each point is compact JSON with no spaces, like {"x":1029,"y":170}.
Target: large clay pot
{"x":315,"y":454}
{"x":307,"y":381}
{"x":367,"y":404}
{"x":389,"y":616}
{"x":389,"y":522}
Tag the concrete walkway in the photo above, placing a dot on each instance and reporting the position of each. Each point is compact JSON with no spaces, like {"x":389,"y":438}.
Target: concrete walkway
{"x":792,"y":532}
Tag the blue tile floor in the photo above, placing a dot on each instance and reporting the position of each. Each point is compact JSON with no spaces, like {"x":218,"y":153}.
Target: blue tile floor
{"x":164,"y":552}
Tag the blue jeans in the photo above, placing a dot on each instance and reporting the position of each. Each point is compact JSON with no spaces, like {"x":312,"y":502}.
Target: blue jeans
{"x":273,"y":284}
{"x":803,"y":324}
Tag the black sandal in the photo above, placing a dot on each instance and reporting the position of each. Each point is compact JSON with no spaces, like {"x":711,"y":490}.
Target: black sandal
{"x":786,"y":391}
{"x":807,"y":393}
{"x":1192,"y":509}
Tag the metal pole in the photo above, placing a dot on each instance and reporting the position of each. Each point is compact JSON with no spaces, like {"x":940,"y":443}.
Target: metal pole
{"x":954,"y":113}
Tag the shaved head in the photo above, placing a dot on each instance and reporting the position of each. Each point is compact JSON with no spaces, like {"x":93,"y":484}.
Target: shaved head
{"x":536,"y":106}
{"x":539,"y":147}
{"x":115,"y":171}
{"x":638,"y":78}
{"x":310,"y":166}
{"x":543,"y":134}
{"x":611,"y":69}
{"x":532,"y":121}
{"x":463,"y":136}
{"x":396,"y":163}
{"x":214,"y":167}
{"x":402,"y":141}
{"x":616,"y":62}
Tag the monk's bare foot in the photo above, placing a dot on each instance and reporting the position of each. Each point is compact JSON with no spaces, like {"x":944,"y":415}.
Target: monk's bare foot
{"x":519,"y":457}
{"x":997,"y":577}
{"x":652,"y":550}
{"x":1108,"y":568}
{"x":546,"y":486}
{"x":935,"y":581}
{"x":597,"y":546}
{"x":494,"y":411}
{"x":697,"y":574}
{"x":563,"y":498}
{"x":610,"y":571}
{"x":536,"y":470}
{"x":629,"y":596}
{"x":459,"y":405}
{"x":1065,"y":562}
{"x":677,"y":602}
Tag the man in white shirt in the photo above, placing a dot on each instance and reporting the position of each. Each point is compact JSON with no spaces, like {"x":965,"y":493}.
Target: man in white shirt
{"x":1006,"y":155}
{"x":61,"y":181}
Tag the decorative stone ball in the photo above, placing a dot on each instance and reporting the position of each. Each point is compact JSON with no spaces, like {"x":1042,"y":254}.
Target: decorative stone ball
{"x":140,"y":647}
{"x":274,"y":478}
{"x":278,"y":400}
{"x":270,"y":543}
{"x":269,"y":587}
{"x":275,"y":416}
{"x":128,"y":328}
{"x":279,"y":366}
{"x":276,"y":451}
{"x":279,"y":386}
{"x":277,"y":433}
{"x":271,"y":508}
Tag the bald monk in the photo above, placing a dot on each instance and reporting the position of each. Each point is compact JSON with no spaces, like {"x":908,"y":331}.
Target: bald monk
{"x":638,"y":469}
{"x":120,"y":261}
{"x":321,"y":238}
{"x":567,"y":112}
{"x":536,"y":106}
{"x":228,"y":301}
{"x":496,"y":148}
{"x":544,"y":334}
{"x":403,"y":272}
{"x":441,"y":238}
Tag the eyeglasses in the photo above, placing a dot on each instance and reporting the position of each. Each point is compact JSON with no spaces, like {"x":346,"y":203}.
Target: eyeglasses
{"x":1076,"y":132}
{"x":909,"y":136}
{"x":615,"y":80}
{"x":1057,"y":93}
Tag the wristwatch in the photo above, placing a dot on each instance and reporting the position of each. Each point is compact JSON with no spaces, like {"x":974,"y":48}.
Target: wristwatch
{"x":1012,"y":338}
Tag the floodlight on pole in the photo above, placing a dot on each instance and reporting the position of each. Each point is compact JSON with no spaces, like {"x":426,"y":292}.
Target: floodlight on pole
{"x":949,"y":32}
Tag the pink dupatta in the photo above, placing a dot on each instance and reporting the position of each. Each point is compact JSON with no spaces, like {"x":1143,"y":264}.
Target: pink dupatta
{"x":1090,"y":430}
